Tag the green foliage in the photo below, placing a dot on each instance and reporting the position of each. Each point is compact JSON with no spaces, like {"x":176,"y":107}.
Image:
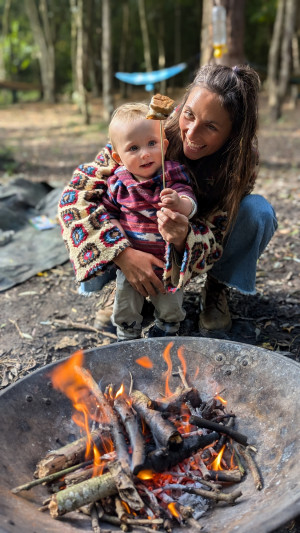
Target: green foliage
{"x":18,"y":49}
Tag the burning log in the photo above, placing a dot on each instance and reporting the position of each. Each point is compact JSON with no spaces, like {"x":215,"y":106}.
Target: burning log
{"x":203,"y":423}
{"x":108,"y":413}
{"x":163,"y":431}
{"x":163,"y":459}
{"x":173,"y":403}
{"x":66,"y":456}
{"x":134,"y":433}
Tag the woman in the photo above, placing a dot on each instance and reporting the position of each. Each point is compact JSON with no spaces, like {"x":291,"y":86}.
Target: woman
{"x":212,"y":132}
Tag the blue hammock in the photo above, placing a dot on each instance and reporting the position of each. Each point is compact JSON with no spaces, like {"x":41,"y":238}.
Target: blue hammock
{"x":150,"y":78}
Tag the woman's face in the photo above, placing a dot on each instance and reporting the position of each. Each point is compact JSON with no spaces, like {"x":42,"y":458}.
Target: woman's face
{"x":204,"y":124}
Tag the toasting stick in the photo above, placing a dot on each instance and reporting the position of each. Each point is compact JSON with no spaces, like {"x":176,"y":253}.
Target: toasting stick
{"x":159,"y":109}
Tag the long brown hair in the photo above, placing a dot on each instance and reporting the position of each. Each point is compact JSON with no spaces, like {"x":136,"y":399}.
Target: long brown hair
{"x":222,"y":179}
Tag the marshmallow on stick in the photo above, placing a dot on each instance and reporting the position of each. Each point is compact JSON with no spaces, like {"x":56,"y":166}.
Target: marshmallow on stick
{"x":159,"y":109}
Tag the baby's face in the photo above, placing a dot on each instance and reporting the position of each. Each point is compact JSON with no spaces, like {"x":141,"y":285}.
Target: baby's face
{"x":138,"y":145}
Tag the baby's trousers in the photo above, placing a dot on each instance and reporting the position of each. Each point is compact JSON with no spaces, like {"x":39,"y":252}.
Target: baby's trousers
{"x":127,"y":311}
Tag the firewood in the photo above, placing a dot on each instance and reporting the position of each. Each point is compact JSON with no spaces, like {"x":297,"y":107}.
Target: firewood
{"x":245,"y":453}
{"x":95,"y":520}
{"x":230,"y":497}
{"x":163,"y":431}
{"x":134,"y":433}
{"x":163,"y":459}
{"x":173,"y":403}
{"x":48,"y":479}
{"x":76,"y":496}
{"x":125,"y":485}
{"x":203,"y":423}
{"x":108,"y":413}
{"x":226,"y":476}
{"x":66,"y":456}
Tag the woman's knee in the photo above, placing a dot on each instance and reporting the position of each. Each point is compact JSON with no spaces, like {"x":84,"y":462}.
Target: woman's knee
{"x":257,"y":213}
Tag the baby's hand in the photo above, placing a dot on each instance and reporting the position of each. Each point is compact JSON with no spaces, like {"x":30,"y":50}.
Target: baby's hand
{"x":169,"y":198}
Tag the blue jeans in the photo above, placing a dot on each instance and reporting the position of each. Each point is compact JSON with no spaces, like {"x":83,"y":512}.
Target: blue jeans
{"x":253,"y":229}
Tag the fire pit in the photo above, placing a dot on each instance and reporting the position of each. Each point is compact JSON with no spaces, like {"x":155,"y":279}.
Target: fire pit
{"x":260,"y":386}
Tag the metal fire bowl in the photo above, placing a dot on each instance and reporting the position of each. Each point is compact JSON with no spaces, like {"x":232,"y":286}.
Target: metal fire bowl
{"x":261,"y":387}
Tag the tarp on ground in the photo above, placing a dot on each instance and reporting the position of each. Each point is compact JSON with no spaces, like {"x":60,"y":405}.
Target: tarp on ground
{"x":25,"y":249}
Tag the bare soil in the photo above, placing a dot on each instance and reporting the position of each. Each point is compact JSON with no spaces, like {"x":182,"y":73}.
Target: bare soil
{"x":45,"y":319}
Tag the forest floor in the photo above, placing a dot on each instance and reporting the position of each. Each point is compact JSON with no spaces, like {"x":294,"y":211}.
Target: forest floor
{"x":44,"y":319}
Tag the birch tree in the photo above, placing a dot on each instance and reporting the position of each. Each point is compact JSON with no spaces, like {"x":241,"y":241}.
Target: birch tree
{"x":145,"y":35}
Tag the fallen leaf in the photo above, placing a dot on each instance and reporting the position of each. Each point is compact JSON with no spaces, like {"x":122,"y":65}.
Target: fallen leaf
{"x":64,"y":342}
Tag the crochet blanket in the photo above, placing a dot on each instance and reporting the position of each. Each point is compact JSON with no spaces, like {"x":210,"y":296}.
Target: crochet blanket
{"x":93,"y":242}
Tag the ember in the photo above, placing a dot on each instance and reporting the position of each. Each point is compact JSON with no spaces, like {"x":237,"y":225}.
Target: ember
{"x":141,"y":458}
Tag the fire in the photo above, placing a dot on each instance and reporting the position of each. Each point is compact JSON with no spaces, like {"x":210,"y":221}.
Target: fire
{"x":120,"y":391}
{"x":182,"y":360}
{"x":216,"y":464}
{"x":172,"y":508}
{"x":167,"y":358}
{"x":144,"y":361}
{"x":218,"y":397}
{"x":145,"y":474}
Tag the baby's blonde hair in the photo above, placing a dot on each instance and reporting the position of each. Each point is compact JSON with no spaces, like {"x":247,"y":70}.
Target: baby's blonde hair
{"x":126,"y":112}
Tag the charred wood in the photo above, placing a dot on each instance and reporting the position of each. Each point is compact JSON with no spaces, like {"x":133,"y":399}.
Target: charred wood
{"x":163,"y":459}
{"x":164,"y":432}
{"x":173,"y":403}
{"x":203,"y":423}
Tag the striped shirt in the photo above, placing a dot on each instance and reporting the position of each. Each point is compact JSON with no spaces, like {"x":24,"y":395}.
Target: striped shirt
{"x":135,"y":204}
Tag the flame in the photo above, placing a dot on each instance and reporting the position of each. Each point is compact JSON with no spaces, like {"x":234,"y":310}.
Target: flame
{"x":218,"y":397}
{"x":66,"y":379}
{"x":145,"y":474}
{"x":120,"y":391}
{"x":167,"y":358}
{"x":182,"y":360}
{"x":126,"y":507}
{"x":172,"y":508}
{"x":196,"y":373}
{"x":216,"y":464}
{"x":144,"y":361}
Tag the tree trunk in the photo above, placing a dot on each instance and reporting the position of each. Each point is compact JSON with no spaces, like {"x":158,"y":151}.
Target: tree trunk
{"x":106,"y":61}
{"x":161,"y":46}
{"x":83,"y":103}
{"x":124,"y":47}
{"x":280,"y":56}
{"x":206,"y":33}
{"x":43,"y":39}
{"x":235,"y":25}
{"x":145,"y":35}
{"x":73,"y":45}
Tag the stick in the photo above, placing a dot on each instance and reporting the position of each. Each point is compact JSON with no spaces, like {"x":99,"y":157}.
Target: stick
{"x":51,"y":477}
{"x":245,"y":453}
{"x":135,"y":435}
{"x":201,"y":422}
{"x":212,"y":495}
{"x":162,"y":154}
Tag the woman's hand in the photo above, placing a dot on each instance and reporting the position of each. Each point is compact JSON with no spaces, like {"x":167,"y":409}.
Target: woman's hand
{"x":137,"y":267}
{"x":173,"y":227}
